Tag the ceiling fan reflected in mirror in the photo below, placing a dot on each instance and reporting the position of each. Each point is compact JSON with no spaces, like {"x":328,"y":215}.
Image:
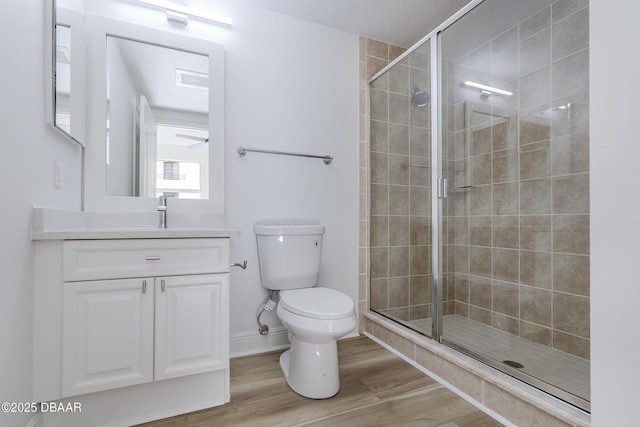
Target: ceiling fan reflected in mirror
{"x":201,"y":141}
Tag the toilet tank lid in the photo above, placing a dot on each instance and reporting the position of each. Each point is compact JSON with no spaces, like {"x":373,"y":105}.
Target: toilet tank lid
{"x":288,"y":229}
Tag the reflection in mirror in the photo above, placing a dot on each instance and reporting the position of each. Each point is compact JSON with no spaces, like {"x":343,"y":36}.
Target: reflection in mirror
{"x":69,"y":72}
{"x":155,"y":119}
{"x":63,"y":78}
{"x":157,"y":124}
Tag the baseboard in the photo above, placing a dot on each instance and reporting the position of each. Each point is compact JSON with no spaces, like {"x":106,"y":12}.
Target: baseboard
{"x":254,"y":343}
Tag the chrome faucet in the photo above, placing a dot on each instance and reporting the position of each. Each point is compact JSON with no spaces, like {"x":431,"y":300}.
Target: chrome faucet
{"x":162,"y":212}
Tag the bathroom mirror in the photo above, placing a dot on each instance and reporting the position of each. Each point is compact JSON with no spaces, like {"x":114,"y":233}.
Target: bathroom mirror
{"x":156,"y":102}
{"x":157,"y":119}
{"x":65,"y":59}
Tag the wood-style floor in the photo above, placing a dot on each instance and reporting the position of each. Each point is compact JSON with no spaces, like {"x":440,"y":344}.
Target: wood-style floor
{"x":377,"y":389}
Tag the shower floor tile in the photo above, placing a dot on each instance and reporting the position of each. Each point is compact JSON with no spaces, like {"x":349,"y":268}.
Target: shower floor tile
{"x":555,"y":367}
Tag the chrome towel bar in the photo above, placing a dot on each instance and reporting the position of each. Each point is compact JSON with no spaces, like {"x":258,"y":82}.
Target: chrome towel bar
{"x":242,"y":151}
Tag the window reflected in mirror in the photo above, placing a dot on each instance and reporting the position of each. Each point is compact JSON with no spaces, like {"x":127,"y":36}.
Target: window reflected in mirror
{"x":63,"y":78}
{"x":157,"y":135}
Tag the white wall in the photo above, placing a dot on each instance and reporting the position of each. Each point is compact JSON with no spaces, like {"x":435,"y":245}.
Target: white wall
{"x":29,"y":148}
{"x":293,"y":86}
{"x":615,"y":212}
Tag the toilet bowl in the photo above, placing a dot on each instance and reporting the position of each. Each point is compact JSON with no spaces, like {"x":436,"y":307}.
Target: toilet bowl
{"x":310,"y":366}
{"x":289,"y":257}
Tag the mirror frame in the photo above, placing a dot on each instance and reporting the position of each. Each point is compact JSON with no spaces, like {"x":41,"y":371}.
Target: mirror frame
{"x":74,"y":19}
{"x":95,"y":198}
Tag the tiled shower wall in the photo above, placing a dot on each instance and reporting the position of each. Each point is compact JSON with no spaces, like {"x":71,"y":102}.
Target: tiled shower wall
{"x":374,"y":55}
{"x":517,"y":244}
{"x":400,"y":185}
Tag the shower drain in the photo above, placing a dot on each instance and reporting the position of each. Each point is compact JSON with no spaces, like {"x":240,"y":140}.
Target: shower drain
{"x":513,"y":364}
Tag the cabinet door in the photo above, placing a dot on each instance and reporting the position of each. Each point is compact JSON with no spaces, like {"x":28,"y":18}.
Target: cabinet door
{"x":107,"y":338}
{"x":192,"y":325}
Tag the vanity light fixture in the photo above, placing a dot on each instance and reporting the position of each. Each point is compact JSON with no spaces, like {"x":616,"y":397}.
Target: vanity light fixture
{"x":181,"y":13}
{"x":487,"y":90}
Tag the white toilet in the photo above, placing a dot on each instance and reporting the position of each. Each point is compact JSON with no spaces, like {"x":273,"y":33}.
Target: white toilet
{"x":289,"y":257}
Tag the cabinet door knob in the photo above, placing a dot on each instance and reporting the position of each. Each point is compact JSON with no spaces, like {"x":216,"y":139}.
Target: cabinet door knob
{"x":162,"y":287}
{"x":153,"y":258}
{"x":144,"y":286}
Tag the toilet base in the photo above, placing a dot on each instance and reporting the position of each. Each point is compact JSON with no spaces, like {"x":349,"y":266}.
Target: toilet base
{"x":311,"y":370}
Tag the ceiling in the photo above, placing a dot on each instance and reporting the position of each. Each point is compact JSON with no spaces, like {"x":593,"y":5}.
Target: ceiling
{"x":399,"y":22}
{"x":153,"y":71}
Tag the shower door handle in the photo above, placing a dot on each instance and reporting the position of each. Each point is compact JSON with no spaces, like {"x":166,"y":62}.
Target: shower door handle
{"x":442,"y":188}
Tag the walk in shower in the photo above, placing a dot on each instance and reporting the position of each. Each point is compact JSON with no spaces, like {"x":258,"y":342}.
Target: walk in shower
{"x":479,"y":190}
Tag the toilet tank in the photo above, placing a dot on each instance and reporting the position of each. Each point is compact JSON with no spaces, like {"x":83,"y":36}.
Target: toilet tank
{"x":289,"y":254}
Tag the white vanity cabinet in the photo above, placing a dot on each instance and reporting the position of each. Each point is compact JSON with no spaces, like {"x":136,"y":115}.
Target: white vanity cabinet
{"x":122,"y":332}
{"x":107,"y":335}
{"x":111,"y":314}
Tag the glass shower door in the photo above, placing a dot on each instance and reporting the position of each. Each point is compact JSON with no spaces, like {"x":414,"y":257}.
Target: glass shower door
{"x":400,"y":221}
{"x":515,"y":221}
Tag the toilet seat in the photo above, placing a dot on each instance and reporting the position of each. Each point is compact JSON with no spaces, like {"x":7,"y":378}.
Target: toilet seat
{"x":317,"y":303}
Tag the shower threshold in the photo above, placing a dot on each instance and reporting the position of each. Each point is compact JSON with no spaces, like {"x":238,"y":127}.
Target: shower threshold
{"x":557,"y":368}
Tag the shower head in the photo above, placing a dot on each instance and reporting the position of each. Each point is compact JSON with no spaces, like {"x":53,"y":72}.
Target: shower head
{"x":419,"y":97}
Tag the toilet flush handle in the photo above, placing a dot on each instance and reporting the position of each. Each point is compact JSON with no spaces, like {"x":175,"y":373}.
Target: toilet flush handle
{"x":242,"y":265}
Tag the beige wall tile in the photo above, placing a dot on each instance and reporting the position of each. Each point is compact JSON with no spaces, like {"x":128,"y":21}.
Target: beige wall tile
{"x":563,"y":8}
{"x":571,"y":194}
{"x":506,"y":232}
{"x":398,"y":138}
{"x":506,"y":265}
{"x":379,"y":262}
{"x":535,"y":269}
{"x":379,"y":105}
{"x":535,"y":23}
{"x":420,"y":260}
{"x":480,"y":261}
{"x":535,"y":160}
{"x":504,"y":165}
{"x":571,"y":234}
{"x":398,"y":261}
{"x":379,"y":225}
{"x":399,"y":292}
{"x":536,"y":333}
{"x":571,"y":34}
{"x":571,"y":314}
{"x":506,"y":301}
{"x":377,"y":49}
{"x":572,"y":344}
{"x":535,"y":196}
{"x":379,"y":293}
{"x":535,"y":232}
{"x":379,"y":136}
{"x":398,"y":200}
{"x":399,"y":169}
{"x":570,"y":154}
{"x":535,"y":52}
{"x":398,"y":231}
{"x":535,"y":305}
{"x":571,"y":74}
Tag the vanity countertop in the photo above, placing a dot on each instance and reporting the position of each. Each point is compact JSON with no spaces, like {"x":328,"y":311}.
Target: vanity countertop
{"x":54,"y":224}
{"x":133,"y":233}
